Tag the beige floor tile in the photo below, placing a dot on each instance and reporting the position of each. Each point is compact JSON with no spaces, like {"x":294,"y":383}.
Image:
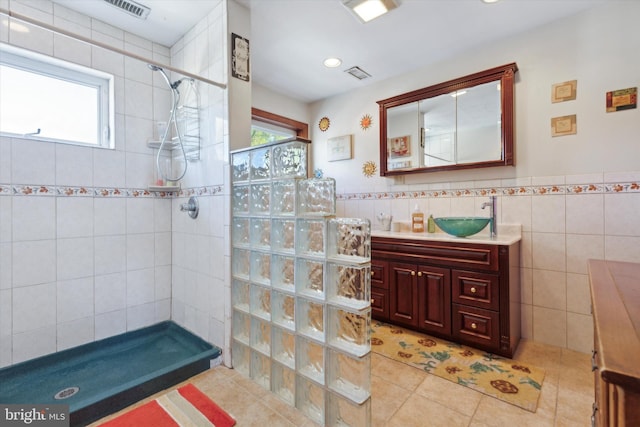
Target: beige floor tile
{"x":453,"y":396}
{"x":418,"y":411}
{"x":258,"y":414}
{"x":386,"y":399}
{"x":496,"y":413}
{"x":398,"y":373}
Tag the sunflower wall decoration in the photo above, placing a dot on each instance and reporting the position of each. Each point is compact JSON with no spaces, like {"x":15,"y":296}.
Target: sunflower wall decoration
{"x":366,"y":121}
{"x":369,"y":168}
{"x":324,"y":123}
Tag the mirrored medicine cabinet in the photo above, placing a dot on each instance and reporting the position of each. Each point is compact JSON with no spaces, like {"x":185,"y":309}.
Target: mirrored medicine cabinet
{"x":459,"y":124}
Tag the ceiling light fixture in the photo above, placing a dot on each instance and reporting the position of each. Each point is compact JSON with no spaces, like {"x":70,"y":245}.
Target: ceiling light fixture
{"x":458,"y":93}
{"x":490,"y":1}
{"x":332,"y":62}
{"x":367,"y":10}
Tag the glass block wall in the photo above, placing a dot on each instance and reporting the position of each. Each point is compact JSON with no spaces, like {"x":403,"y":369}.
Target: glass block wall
{"x":300,"y":288}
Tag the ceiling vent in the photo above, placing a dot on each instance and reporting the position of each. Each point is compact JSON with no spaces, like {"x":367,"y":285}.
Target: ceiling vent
{"x":358,"y":73}
{"x":131,"y":7}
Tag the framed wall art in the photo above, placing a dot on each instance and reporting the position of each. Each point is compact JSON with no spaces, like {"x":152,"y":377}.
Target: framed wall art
{"x":565,"y":125}
{"x":566,"y":91}
{"x":623,"y":99}
{"x":339,"y":148}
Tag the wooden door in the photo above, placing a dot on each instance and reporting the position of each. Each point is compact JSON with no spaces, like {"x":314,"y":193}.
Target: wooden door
{"x":434,"y":299}
{"x":403,"y":294}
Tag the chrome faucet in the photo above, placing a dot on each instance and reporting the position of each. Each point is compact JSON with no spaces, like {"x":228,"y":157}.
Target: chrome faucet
{"x":493,"y":226}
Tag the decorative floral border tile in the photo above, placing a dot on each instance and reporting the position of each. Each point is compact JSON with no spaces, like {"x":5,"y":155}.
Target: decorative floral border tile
{"x":67,"y":191}
{"x":628,"y":187}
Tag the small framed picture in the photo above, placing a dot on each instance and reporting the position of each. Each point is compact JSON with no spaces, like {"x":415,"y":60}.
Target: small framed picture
{"x":566,"y":91}
{"x":399,"y":146}
{"x":339,"y":148}
{"x":623,"y":99}
{"x":565,"y":125}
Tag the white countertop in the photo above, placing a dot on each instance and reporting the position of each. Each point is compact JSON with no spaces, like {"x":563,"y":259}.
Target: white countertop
{"x":507,"y":235}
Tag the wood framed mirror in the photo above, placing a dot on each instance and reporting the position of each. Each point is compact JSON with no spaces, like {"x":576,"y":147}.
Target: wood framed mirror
{"x":459,"y":124}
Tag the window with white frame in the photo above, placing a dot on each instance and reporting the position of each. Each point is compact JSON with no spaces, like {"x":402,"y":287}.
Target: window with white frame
{"x":52,"y":100}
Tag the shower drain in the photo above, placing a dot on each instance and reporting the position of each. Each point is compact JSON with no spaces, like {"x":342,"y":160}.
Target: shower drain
{"x":66,"y":393}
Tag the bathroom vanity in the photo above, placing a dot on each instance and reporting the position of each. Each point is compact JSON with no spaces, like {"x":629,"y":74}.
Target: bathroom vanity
{"x":465,"y":290}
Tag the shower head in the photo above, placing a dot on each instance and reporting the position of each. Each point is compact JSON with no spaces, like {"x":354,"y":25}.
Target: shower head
{"x":173,"y":85}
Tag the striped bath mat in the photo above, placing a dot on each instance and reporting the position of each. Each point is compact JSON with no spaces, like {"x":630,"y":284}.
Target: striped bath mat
{"x":186,"y":406}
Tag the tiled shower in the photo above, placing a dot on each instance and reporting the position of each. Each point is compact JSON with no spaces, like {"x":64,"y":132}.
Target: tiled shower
{"x":86,"y":251}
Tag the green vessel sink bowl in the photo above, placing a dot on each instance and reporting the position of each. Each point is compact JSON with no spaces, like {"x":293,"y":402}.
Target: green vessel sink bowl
{"x":462,"y":226}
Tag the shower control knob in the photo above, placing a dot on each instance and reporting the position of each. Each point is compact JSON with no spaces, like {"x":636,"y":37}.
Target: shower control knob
{"x":191,"y":207}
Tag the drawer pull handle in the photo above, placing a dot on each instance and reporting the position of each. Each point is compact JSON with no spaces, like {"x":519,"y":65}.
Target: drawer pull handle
{"x":473,"y":290}
{"x":373,"y":273}
{"x":594,"y":366}
{"x":373,"y":300}
{"x":419,"y":273}
{"x":474,"y":326}
{"x":413,"y":273}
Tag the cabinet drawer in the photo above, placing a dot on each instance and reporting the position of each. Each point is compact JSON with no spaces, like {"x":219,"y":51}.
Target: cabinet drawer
{"x":475,"y":289}
{"x":476,"y":326}
{"x":379,"y":274}
{"x":380,"y":304}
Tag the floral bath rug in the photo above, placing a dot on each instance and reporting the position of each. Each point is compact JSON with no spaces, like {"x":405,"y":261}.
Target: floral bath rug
{"x":505,"y":379}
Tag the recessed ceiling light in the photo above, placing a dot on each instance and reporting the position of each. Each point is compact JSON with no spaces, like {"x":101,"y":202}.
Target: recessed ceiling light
{"x":332,"y":62}
{"x":458,"y":93}
{"x":490,"y":1}
{"x":367,"y":10}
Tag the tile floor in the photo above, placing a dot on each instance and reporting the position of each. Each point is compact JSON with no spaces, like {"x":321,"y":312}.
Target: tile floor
{"x":407,"y":397}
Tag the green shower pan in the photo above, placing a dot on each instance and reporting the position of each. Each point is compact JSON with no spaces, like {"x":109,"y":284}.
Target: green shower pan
{"x":102,"y":377}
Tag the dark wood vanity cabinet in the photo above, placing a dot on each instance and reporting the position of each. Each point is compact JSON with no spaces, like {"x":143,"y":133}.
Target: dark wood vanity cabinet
{"x":615,"y":303}
{"x":468,"y":293}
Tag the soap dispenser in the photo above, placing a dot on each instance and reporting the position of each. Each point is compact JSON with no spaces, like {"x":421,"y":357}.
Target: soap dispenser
{"x":417,"y":220}
{"x":431,"y":225}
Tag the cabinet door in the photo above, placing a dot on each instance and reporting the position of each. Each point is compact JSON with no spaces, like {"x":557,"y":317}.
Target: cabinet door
{"x":403,"y":294}
{"x":379,"y":274}
{"x":434,"y":299}
{"x":380,"y":304}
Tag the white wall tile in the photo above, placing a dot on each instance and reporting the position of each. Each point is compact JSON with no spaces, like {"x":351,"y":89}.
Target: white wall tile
{"x":550,"y":289}
{"x":74,"y":165}
{"x":140,"y":215}
{"x":163,"y":282}
{"x":75,"y":333}
{"x":6,"y":265}
{"x":110,"y":324}
{"x":621,"y":214}
{"x":75,"y":299}
{"x":137,"y":70}
{"x":33,"y":218}
{"x":140,"y":251}
{"x":110,"y":216}
{"x":32,"y":344}
{"x":162,"y":215}
{"x":582,"y":247}
{"x":139,"y":170}
{"x":34,"y":307}
{"x":5,"y":157}
{"x":6,"y":313}
{"x":74,"y":217}
{"x":107,"y":61}
{"x":516,"y":210}
{"x":163,"y":310}
{"x":622,"y":248}
{"x":140,"y":316}
{"x":579,"y":332}
{"x":6,"y":219}
{"x":585,"y":214}
{"x":69,"y":49}
{"x":548,"y":214}
{"x":578,"y":294}
{"x":549,"y":251}
{"x":74,"y":258}
{"x":138,"y":131}
{"x":111,"y":293}
{"x":526,"y":285}
{"x":110,"y":254}
{"x":108,"y":168}
{"x":140,"y":286}
{"x":550,"y":326}
{"x":163,"y":249}
{"x":40,"y":158}
{"x":138,"y":100}
{"x":27,"y":254}
{"x":35,"y":38}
